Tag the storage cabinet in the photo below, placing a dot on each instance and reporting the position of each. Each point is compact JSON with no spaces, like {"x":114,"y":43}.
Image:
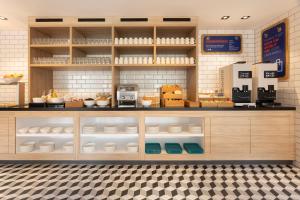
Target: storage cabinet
{"x":4,"y":135}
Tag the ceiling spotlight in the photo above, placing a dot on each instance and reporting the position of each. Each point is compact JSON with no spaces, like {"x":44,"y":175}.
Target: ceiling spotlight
{"x":225,"y":17}
{"x":245,"y":17}
{"x":3,"y":18}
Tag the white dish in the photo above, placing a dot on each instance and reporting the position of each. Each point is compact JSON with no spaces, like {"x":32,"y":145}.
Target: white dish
{"x":89,"y":103}
{"x":89,"y":129}
{"x":102,"y":103}
{"x":68,"y":130}
{"x":57,"y":129}
{"x":110,"y":129}
{"x":12,"y":80}
{"x":109,"y":147}
{"x":132,"y":147}
{"x":45,"y":129}
{"x":131,"y":129}
{"x":174,"y":129}
{"x":194,"y":129}
{"x":56,"y":100}
{"x":146,"y":103}
{"x":47,"y":147}
{"x":38,"y":100}
{"x":89,"y":147}
{"x":24,"y":148}
{"x":23,"y":130}
{"x":34,"y":130}
{"x":68,"y":147}
{"x":152,"y":129}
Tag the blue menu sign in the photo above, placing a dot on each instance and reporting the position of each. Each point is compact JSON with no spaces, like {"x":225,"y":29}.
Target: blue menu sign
{"x":222,"y":43}
{"x":274,"y":47}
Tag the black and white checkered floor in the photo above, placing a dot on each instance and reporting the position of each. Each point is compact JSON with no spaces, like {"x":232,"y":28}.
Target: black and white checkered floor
{"x":80,"y":181}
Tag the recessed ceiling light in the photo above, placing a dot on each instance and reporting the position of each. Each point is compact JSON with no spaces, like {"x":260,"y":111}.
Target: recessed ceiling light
{"x":245,"y":17}
{"x":3,"y":18}
{"x":225,"y":17}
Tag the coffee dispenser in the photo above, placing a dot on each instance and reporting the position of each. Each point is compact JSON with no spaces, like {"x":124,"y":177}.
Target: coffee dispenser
{"x":236,"y":83}
{"x":265,"y":83}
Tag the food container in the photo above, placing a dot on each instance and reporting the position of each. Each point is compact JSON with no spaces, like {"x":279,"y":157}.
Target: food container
{"x":131,"y":129}
{"x":110,"y":129}
{"x":89,"y":147}
{"x":45,"y":129}
{"x":68,"y":147}
{"x":152,"y":129}
{"x":34,"y":130}
{"x":68,"y":130}
{"x":132,"y":147}
{"x":102,"y":103}
{"x":57,"y":130}
{"x":55,"y":100}
{"x":109,"y":147}
{"x":38,"y":100}
{"x":146,"y":103}
{"x":89,"y":103}
{"x":47,"y":147}
{"x":23,"y":130}
{"x":174,"y":129}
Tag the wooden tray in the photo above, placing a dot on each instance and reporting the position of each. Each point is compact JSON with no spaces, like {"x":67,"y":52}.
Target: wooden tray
{"x":172,"y":103}
{"x":191,"y":104}
{"x":209,"y":104}
{"x":226,"y":104}
{"x":75,"y":104}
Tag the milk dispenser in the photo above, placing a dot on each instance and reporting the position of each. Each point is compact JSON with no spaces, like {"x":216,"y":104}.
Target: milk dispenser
{"x":265,"y":83}
{"x":236,"y":83}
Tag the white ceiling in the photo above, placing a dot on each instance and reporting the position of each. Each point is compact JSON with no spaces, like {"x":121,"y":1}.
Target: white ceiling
{"x":208,"y":11}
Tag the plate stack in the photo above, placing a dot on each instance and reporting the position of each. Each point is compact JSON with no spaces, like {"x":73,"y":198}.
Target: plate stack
{"x":68,"y":147}
{"x":195,"y":129}
{"x":47,"y":147}
{"x":27,"y":147}
{"x":89,"y":129}
{"x":89,"y":147}
{"x":152,"y":129}
{"x":110,"y":147}
{"x":110,"y":129}
{"x":174,"y":129}
{"x":131,"y":129}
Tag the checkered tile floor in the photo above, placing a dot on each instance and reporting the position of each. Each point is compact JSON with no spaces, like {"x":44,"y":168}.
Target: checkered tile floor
{"x":79,"y":181}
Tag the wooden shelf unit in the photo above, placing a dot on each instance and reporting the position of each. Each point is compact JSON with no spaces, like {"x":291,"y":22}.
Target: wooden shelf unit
{"x":72,"y":37}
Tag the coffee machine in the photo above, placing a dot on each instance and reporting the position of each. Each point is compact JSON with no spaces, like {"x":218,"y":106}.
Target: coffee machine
{"x":127,"y":96}
{"x":265,"y":83}
{"x":236,"y":83}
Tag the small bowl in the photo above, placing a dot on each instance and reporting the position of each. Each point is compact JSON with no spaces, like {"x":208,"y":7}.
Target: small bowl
{"x":146,"y":103}
{"x":68,"y":130}
{"x":47,"y":147}
{"x":24,"y":148}
{"x":132,"y":147}
{"x":45,"y":129}
{"x":174,"y":129}
{"x":102,"y":103}
{"x":56,"y":100}
{"x":89,"y":103}
{"x":109,"y":147}
{"x":34,"y":130}
{"x":23,"y":130}
{"x":89,"y":147}
{"x":38,"y":100}
{"x":57,"y":129}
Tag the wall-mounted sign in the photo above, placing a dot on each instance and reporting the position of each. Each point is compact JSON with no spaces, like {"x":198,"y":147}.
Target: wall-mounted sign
{"x":221,"y":44}
{"x":275,"y":47}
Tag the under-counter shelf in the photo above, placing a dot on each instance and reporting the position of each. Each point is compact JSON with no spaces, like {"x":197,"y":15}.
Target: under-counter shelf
{"x":173,"y":135}
{"x":50,"y":135}
{"x":109,"y":134}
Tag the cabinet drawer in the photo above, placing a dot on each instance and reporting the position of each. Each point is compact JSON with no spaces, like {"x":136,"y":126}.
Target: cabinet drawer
{"x":233,"y":126}
{"x":230,"y":144}
{"x":273,"y":144}
{"x":270,"y":126}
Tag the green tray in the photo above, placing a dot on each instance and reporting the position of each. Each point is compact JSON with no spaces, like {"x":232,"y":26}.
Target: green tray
{"x":193,"y":148}
{"x":173,"y":148}
{"x":152,"y":148}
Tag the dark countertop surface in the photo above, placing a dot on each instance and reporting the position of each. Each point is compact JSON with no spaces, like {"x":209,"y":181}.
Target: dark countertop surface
{"x":26,"y":108}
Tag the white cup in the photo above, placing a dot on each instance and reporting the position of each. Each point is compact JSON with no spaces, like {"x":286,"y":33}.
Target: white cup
{"x":182,"y":40}
{"x":145,"y":60}
{"x":158,"y":60}
{"x":135,"y":40}
{"x":172,"y":60}
{"x":116,"y":40}
{"x":130,"y":60}
{"x":168,"y":40}
{"x":192,"y":40}
{"x":140,"y":60}
{"x":163,"y":60}
{"x":126,"y":60}
{"x":145,"y":40}
{"x":172,"y":40}
{"x":116,"y":60}
{"x":150,"y":60}
{"x":130,"y":40}
{"x":163,"y":40}
{"x":177,"y":40}
{"x":158,"y":40}
{"x":150,"y":40}
{"x":177,"y":60}
{"x":135,"y":60}
{"x":192,"y":60}
{"x":121,"y":41}
{"x":186,"y":60}
{"x":140,"y":40}
{"x":125,"y":40}
{"x":168,"y":60}
{"x":187,"y":40}
{"x":121,"y":60}
{"x":182,"y":60}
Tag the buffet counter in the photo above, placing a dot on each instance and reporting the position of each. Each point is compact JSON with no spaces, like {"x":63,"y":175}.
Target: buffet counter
{"x":262,"y":133}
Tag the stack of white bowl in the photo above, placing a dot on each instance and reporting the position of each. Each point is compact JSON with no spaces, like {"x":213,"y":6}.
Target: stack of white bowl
{"x":152,"y":129}
{"x":23,"y":130}
{"x":110,"y":147}
{"x":89,"y":129}
{"x":27,"y":147}
{"x":195,"y":129}
{"x":68,"y":130}
{"x":110,"y":129}
{"x":89,"y":147}
{"x":174,"y":129}
{"x":57,"y":130}
{"x":34,"y":130}
{"x":132,"y":147}
{"x":47,"y":147}
{"x":68,"y":147}
{"x":131,"y":129}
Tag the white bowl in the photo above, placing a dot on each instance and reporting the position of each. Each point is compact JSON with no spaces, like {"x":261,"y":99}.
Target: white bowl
{"x":89,"y":103}
{"x":57,"y":129}
{"x":110,"y":129}
{"x":131,"y":129}
{"x":38,"y":100}
{"x":68,"y":147}
{"x":102,"y":103}
{"x":47,"y":147}
{"x":23,"y":130}
{"x":152,"y":129}
{"x":132,"y":147}
{"x":12,"y":80}
{"x":89,"y":129}
{"x":195,"y":129}
{"x":146,"y":103}
{"x":23,"y":148}
{"x":68,"y":130}
{"x":174,"y":129}
{"x":56,"y":100}
{"x":34,"y":130}
{"x":109,"y":147}
{"x":89,"y":147}
{"x":45,"y":129}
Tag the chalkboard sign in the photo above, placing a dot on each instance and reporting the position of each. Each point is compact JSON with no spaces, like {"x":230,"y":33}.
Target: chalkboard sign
{"x":275,"y":47}
{"x":221,"y":43}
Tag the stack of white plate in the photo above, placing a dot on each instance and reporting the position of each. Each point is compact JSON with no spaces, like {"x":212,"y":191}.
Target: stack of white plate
{"x":174,"y":129}
{"x":45,"y":129}
{"x":68,"y":130}
{"x":47,"y":147}
{"x":131,"y":129}
{"x":109,"y":147}
{"x":89,"y":147}
{"x":132,"y":147}
{"x":27,"y":147}
{"x":23,"y":130}
{"x":110,"y":129}
{"x":68,"y":147}
{"x":34,"y":130}
{"x":57,"y":130}
{"x":89,"y":129}
{"x":195,"y":129}
{"x":152,"y":129}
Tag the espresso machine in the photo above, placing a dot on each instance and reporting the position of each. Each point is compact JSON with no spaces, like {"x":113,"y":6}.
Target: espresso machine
{"x":236,"y":83}
{"x":265,"y":83}
{"x":127,"y":96}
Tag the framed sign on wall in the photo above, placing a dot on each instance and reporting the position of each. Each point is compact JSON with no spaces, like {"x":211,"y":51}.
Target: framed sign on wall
{"x":275,"y":47}
{"x":221,"y":44}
